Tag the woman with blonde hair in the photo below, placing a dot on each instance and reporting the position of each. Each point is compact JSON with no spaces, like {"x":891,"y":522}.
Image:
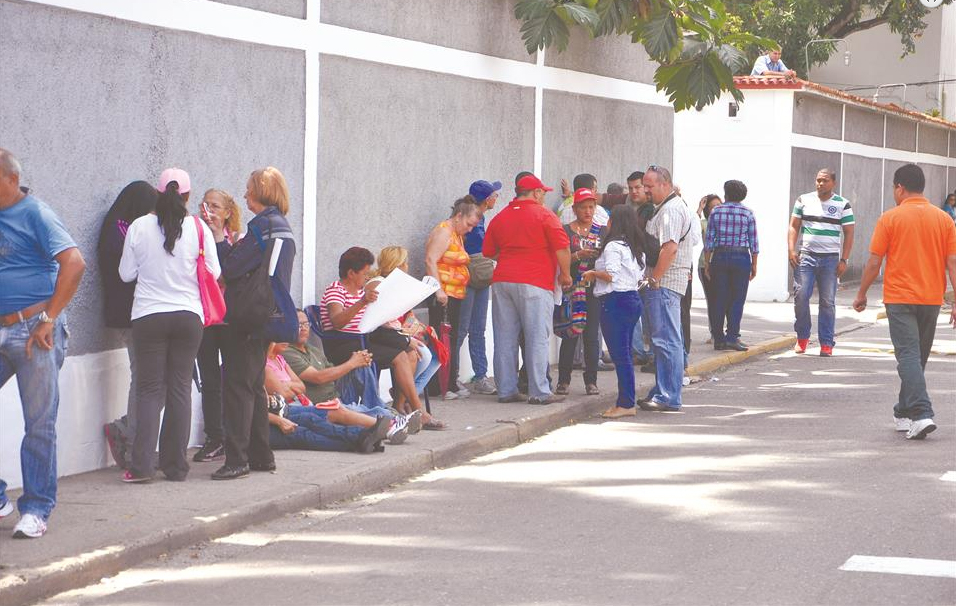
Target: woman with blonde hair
{"x":391,"y":258}
{"x":215,"y":203}
{"x":244,"y":407}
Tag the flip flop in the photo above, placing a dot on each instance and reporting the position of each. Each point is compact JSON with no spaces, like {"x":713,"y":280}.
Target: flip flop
{"x":434,"y":425}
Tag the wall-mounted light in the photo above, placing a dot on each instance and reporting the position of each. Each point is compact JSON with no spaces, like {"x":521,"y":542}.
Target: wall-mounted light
{"x":806,"y":51}
{"x":732,"y":109}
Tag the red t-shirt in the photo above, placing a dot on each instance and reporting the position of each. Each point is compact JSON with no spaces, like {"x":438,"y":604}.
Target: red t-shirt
{"x":524,"y":236}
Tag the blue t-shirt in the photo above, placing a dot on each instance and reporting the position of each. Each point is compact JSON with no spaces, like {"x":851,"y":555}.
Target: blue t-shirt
{"x":475,"y":238}
{"x":31,"y":235}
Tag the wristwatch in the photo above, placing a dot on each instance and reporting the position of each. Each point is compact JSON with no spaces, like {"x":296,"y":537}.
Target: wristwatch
{"x":44,"y":318}
{"x":653,"y":282}
{"x":844,"y":260}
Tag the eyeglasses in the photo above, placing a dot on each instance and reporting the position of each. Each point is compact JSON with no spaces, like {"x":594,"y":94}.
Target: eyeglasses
{"x":303,"y":324}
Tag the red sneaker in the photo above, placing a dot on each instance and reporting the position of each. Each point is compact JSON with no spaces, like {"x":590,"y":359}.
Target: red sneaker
{"x":826,"y":351}
{"x":801,"y":346}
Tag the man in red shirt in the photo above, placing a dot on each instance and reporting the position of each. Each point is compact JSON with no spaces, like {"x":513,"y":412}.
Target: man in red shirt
{"x":531,"y":247}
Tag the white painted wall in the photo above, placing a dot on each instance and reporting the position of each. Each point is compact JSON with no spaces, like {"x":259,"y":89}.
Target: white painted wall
{"x":876,"y":60}
{"x":710,"y":147}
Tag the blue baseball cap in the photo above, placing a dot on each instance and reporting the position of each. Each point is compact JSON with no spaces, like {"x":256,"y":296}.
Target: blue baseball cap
{"x":480,"y":190}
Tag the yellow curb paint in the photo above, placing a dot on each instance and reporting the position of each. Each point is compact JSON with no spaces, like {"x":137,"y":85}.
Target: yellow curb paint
{"x":726,"y":359}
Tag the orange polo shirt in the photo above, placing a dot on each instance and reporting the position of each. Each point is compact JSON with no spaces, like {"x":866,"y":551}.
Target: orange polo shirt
{"x":915,"y":237}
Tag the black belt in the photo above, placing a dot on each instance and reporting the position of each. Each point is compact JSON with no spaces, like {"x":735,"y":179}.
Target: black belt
{"x":816,"y":254}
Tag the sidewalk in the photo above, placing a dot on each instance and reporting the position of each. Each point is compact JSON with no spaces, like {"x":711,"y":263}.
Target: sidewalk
{"x":102,"y":526}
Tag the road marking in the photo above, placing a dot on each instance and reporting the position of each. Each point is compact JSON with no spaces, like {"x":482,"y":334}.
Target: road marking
{"x":949,"y":476}
{"x":912,"y":566}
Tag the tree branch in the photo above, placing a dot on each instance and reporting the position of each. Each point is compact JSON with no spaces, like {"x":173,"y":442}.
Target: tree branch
{"x":848,"y":29}
{"x":849,"y":12}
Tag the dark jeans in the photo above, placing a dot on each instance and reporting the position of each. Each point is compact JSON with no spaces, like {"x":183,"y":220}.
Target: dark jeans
{"x":165,"y":346}
{"x":713,"y":319}
{"x":685,"y":303}
{"x":245,"y":412}
{"x":210,"y":379}
{"x":730,"y":272}
{"x":592,"y":348}
{"x":314,"y":432}
{"x":912,"y":328}
{"x":450,"y":313}
{"x":619,"y":314}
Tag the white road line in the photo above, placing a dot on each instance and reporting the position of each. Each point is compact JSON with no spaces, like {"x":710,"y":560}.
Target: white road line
{"x":911,"y":566}
{"x":949,"y":476}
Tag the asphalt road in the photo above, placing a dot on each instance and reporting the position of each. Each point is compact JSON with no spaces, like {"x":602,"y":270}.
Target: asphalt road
{"x":771,"y":480}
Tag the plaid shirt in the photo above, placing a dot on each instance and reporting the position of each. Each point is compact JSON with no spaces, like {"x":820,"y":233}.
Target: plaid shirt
{"x":731,"y":224}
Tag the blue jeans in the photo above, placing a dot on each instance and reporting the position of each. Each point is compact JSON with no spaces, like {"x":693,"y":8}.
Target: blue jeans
{"x":372,"y":411}
{"x":620,"y":312}
{"x":637,"y":342}
{"x":521,"y":308}
{"x":426,"y":368}
{"x":37,"y":379}
{"x":912,"y":328}
{"x":472,"y":323}
{"x":730,"y":279}
{"x":314,"y":432}
{"x":822,"y":270}
{"x":663,"y":312}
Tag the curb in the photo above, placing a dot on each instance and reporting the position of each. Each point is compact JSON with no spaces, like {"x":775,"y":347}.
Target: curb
{"x":728,"y":358}
{"x":34,"y":584}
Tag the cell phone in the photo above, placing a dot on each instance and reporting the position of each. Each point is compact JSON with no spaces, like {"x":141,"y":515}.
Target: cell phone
{"x":205,"y":209}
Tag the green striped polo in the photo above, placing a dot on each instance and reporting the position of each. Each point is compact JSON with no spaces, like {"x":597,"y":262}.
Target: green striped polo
{"x":822,"y":221}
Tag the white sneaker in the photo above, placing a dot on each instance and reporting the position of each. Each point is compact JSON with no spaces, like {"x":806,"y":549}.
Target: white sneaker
{"x":6,"y":509}
{"x":485,"y":386}
{"x":462,"y":390}
{"x":397,"y":430}
{"x":902,"y":424}
{"x":920,"y":429}
{"x":450,"y":395}
{"x":414,"y":422}
{"x":30,"y":526}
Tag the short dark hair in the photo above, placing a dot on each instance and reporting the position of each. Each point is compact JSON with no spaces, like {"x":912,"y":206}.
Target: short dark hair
{"x":637,"y":175}
{"x":615,"y":189}
{"x":735,"y":191}
{"x":584,"y":180}
{"x":911,"y":177}
{"x":354,"y":259}
{"x":829,"y":172}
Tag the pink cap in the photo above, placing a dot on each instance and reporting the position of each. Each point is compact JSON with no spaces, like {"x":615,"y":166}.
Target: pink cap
{"x":174,"y":174}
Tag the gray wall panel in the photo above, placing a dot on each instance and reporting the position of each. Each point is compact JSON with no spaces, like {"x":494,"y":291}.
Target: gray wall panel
{"x":289,"y":8}
{"x":804,"y":166}
{"x":100,"y":102}
{"x":952,"y":180}
{"x":889,"y":167}
{"x":864,"y":126}
{"x":488,"y":27}
{"x":932,"y":140}
{"x":952,"y":144}
{"x":900,"y":134}
{"x":612,"y":56}
{"x":935,"y":183}
{"x":863,"y":188}
{"x":392,"y":160}
{"x":819,"y":117}
{"x":571,"y":147}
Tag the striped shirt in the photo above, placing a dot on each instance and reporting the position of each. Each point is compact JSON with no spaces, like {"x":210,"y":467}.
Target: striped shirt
{"x":674,"y":222}
{"x":337,"y":293}
{"x":732,"y":224}
{"x":822,"y":222}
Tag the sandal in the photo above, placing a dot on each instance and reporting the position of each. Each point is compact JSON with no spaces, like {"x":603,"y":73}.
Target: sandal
{"x":434,"y":424}
{"x":592,"y":390}
{"x":562,"y":389}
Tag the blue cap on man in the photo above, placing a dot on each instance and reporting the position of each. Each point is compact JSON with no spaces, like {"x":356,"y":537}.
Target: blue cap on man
{"x":480,"y":190}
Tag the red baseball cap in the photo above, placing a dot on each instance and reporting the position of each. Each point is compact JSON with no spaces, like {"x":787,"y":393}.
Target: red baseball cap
{"x":530,"y":182}
{"x":582,"y":194}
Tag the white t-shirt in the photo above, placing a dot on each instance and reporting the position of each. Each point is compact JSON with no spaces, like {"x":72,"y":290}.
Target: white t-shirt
{"x":618,"y":261}
{"x":164,"y":282}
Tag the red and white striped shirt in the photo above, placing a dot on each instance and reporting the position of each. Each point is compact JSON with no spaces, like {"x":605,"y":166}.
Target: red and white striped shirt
{"x":337,"y":293}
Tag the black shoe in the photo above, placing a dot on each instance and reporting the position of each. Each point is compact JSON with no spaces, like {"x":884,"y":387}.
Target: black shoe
{"x":210,"y":451}
{"x":719,"y":346}
{"x":118,"y":450}
{"x":658,"y":407}
{"x":735,"y":346}
{"x":512,"y":399}
{"x":546,"y":400}
{"x":370,"y":440}
{"x":227,"y":472}
{"x":641,"y":360}
{"x":271,"y":466}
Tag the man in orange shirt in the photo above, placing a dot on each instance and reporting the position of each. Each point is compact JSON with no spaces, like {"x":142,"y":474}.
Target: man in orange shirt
{"x":919,"y":243}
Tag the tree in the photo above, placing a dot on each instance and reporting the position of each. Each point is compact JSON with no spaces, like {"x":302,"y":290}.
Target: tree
{"x":794,"y":23}
{"x":698,"y":50}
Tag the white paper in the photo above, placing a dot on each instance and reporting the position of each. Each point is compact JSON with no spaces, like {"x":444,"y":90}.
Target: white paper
{"x":397,"y":294}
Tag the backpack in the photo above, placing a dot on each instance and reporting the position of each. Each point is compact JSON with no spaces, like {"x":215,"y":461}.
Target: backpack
{"x":258,"y":301}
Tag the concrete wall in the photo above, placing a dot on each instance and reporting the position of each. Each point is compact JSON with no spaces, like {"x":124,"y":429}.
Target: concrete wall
{"x":376,"y":135}
{"x":819,"y":117}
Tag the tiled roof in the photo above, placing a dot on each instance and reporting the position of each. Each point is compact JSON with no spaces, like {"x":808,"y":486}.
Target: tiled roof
{"x":784,"y":83}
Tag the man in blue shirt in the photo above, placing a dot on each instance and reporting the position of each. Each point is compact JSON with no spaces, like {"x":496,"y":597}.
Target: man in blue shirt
{"x":40,"y":269}
{"x":730,"y":253}
{"x":771,"y":65}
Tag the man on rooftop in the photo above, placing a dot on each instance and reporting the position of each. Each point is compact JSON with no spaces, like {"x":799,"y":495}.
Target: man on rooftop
{"x":770,"y":65}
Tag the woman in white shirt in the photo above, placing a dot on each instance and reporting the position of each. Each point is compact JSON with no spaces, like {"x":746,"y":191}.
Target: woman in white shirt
{"x":160,"y":253}
{"x":617,"y":274}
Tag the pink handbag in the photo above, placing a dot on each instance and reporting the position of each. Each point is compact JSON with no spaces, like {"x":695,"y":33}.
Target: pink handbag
{"x":213,"y":303}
